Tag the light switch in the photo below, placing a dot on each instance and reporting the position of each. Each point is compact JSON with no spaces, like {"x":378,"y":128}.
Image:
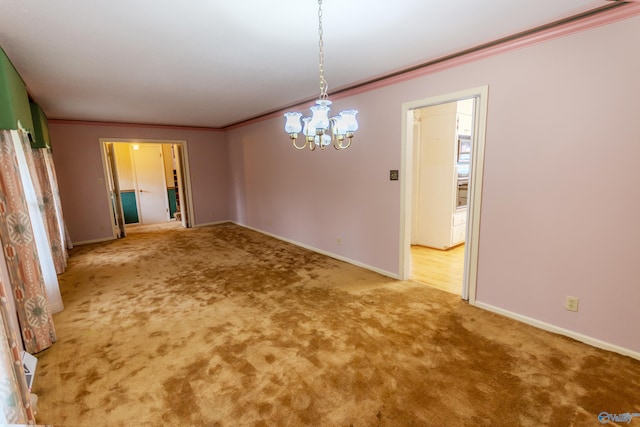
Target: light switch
{"x":393,"y":175}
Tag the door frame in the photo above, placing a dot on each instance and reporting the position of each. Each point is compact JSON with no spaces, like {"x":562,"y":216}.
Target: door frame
{"x":474,"y":199}
{"x":110,"y":169}
{"x":187,"y":214}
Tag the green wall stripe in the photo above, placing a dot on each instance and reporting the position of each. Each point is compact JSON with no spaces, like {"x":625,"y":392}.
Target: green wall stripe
{"x":129,"y":207}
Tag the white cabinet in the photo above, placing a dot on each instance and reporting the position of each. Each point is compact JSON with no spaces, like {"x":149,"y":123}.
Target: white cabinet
{"x":465,"y":123}
{"x":437,"y":222}
{"x":465,"y":116}
{"x":459,"y":227}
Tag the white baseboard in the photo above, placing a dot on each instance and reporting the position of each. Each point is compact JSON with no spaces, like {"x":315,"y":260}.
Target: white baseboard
{"x":322,"y":252}
{"x":558,"y":330}
{"x":209,"y":223}
{"x":88,"y":242}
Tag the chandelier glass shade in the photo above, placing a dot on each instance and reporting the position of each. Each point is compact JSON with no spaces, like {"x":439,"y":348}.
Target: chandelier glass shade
{"x":320,"y":130}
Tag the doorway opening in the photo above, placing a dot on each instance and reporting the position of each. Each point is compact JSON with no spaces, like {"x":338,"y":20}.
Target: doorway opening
{"x":147,"y":182}
{"x":443,"y":154}
{"x":442,"y":142}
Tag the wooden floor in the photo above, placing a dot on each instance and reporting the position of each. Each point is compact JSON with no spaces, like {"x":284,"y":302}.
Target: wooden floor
{"x":438,"y":268}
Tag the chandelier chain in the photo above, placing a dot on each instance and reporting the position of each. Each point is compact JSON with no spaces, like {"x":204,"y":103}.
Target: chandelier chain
{"x":323,"y":82}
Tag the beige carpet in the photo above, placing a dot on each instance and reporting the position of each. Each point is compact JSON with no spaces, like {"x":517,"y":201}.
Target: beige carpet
{"x":222,"y":326}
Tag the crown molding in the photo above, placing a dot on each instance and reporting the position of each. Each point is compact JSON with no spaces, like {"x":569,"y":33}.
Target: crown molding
{"x":617,"y":11}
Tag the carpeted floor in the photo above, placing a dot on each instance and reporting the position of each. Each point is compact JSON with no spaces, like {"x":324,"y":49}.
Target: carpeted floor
{"x":222,"y":326}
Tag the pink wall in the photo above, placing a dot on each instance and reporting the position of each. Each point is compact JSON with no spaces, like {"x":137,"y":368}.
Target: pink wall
{"x":76,"y":151}
{"x":315,"y":198}
{"x":559,"y":204}
{"x":562,"y":220}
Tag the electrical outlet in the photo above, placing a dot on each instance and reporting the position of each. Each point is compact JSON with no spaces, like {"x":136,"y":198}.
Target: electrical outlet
{"x":339,"y":241}
{"x":571,"y":303}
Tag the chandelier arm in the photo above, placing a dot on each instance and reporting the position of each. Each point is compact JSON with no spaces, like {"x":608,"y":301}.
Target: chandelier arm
{"x":293,"y":141}
{"x":334,"y":139}
{"x":342,"y":146}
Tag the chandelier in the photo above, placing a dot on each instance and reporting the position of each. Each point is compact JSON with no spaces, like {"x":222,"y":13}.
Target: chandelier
{"x":319,"y":130}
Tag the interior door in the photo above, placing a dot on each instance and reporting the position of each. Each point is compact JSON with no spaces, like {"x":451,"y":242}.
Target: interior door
{"x":153,"y":203}
{"x":182,"y":187}
{"x":114,"y":190}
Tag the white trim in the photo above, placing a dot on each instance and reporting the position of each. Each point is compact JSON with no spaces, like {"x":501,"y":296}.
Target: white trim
{"x":106,"y":173}
{"x":475,"y":191}
{"x":210,"y":223}
{"x":88,"y":242}
{"x":558,"y":330}
{"x":474,"y":204}
{"x":321,"y":252}
{"x":188,"y":217}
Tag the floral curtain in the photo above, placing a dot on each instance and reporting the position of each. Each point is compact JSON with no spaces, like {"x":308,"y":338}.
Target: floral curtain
{"x":51,"y":207}
{"x":15,"y":407}
{"x":53,"y":182}
{"x":21,"y":254}
{"x":33,"y":195}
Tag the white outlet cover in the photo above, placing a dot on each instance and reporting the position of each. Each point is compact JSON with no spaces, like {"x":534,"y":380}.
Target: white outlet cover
{"x":571,"y":303}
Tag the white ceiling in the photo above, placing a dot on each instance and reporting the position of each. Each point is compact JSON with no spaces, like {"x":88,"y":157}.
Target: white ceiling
{"x":213,"y":63}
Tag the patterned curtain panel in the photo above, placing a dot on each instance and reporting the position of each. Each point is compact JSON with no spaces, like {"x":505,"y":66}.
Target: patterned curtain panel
{"x":51,"y":212}
{"x":53,"y":180}
{"x":15,"y":407}
{"x":21,"y":254}
{"x":34,"y":197}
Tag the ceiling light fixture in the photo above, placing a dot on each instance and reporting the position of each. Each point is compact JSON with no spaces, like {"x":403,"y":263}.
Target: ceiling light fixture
{"x":319,"y":130}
